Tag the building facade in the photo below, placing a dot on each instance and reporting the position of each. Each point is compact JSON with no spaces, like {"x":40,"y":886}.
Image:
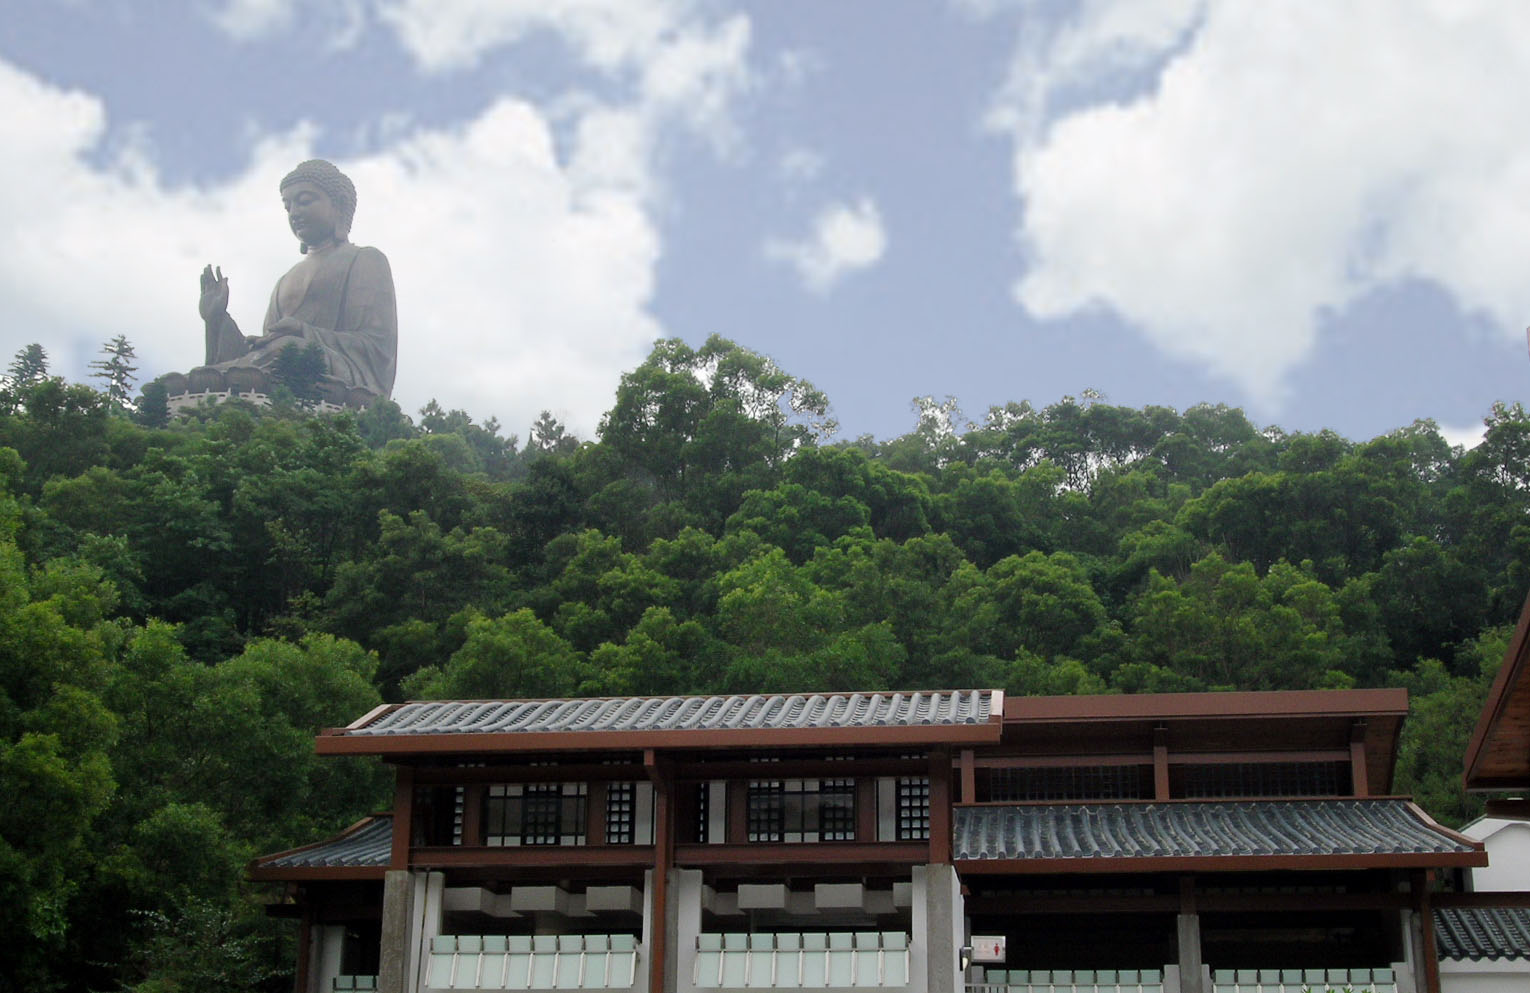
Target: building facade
{"x":937,"y":841}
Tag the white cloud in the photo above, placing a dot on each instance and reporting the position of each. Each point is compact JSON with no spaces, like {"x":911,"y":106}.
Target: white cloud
{"x":523,"y":284}
{"x":680,"y":63}
{"x":1465,"y":435}
{"x":800,"y":165}
{"x":846,"y":238}
{"x":341,"y":21}
{"x":1286,"y":160}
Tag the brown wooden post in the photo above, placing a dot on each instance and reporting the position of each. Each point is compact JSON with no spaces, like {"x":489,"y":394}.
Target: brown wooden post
{"x":595,"y":813}
{"x":1425,"y":905}
{"x":738,"y":812}
{"x":663,"y":860}
{"x":969,"y":777}
{"x":1358,"y":777}
{"x":940,"y":806}
{"x":403,"y":817}
{"x":865,"y":809}
{"x":1160,"y":763}
{"x":300,"y":982}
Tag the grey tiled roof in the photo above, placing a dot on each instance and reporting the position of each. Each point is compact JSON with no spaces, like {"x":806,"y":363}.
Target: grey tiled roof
{"x":368,"y":844}
{"x":1187,"y":829}
{"x":1482,"y":932}
{"x":684,"y":713}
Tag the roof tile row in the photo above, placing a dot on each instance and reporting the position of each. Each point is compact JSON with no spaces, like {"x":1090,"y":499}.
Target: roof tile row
{"x":802,"y":710}
{"x":1197,"y":829}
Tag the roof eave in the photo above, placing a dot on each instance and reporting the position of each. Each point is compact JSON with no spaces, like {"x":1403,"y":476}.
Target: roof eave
{"x":491,"y":742}
{"x":1509,"y":675}
{"x":1222,"y":863}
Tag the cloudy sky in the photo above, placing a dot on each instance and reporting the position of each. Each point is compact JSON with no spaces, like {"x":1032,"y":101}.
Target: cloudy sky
{"x":1317,"y":211}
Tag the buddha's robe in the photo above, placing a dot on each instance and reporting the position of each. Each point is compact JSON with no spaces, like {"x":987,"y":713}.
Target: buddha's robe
{"x":342,"y":296}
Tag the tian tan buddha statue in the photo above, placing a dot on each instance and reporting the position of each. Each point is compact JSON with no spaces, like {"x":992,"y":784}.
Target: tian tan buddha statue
{"x":339,"y":297}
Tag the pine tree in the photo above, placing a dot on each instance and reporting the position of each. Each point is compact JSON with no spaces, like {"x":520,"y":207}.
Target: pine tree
{"x":28,"y":367}
{"x":548,"y":435}
{"x":117,"y":372}
{"x":300,"y":368}
{"x":153,"y":409}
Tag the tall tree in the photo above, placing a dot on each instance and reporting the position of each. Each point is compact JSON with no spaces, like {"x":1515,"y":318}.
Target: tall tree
{"x":29,"y":366}
{"x":116,"y":371}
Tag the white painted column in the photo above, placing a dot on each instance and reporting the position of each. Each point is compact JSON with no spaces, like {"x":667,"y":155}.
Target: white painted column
{"x":685,"y":898}
{"x":328,"y":943}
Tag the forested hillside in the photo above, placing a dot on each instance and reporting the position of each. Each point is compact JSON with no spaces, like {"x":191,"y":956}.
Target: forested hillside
{"x":183,"y":605}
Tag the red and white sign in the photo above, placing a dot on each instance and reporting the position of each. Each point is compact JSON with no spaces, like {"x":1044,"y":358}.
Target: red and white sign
{"x":988,"y":948}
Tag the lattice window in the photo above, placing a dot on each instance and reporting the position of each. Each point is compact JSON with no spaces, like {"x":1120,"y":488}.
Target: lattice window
{"x":1109,"y":782}
{"x":767,"y":810}
{"x":621,"y":813}
{"x":914,"y":808}
{"x":1266,"y":779}
{"x":802,"y":810}
{"x":535,"y":814}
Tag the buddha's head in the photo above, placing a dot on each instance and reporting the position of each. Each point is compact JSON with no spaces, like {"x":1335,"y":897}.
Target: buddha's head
{"x":320,"y":202}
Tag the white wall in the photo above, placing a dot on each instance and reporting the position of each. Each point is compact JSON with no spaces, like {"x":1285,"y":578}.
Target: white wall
{"x":1508,"y":848}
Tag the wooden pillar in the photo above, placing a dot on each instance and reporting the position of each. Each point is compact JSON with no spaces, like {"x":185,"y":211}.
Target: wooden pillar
{"x":663,"y":861}
{"x":403,"y":817}
{"x":1358,"y":777}
{"x":940,"y":806}
{"x":302,"y":981}
{"x":1160,"y":763}
{"x":595,"y":813}
{"x":969,"y":776}
{"x":865,"y":809}
{"x":1424,"y":907}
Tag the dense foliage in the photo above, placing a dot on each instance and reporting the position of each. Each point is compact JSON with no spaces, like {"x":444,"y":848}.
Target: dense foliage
{"x":183,"y":604}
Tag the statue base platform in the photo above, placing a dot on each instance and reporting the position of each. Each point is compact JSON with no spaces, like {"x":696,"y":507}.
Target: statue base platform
{"x":182,"y":402}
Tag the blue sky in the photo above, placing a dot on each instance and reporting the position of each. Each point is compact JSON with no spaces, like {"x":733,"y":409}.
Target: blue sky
{"x":1315,"y":211}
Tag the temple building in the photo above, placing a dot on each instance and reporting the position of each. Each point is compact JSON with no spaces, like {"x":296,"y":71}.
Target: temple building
{"x":1484,"y":926}
{"x":937,"y":841}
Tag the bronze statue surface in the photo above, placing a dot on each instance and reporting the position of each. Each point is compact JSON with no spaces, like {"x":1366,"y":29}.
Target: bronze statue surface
{"x":339,"y":298}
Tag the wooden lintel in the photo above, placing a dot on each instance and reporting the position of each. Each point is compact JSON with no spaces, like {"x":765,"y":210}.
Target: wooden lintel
{"x":1483,"y":898}
{"x":539,"y":856}
{"x":1169,"y":903}
{"x":790,"y":767}
{"x":403,"y":817}
{"x":828,"y":854}
{"x":583,"y":772}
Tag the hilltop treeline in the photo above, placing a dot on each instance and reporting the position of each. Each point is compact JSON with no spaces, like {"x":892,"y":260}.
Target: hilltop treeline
{"x":182,"y":606}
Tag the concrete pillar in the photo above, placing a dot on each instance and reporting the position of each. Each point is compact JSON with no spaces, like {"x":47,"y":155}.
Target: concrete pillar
{"x":937,"y":923}
{"x":412,"y":904}
{"x":393,"y":971}
{"x":329,"y":946}
{"x":1190,"y":978}
{"x":645,"y":940}
{"x":685,"y":898}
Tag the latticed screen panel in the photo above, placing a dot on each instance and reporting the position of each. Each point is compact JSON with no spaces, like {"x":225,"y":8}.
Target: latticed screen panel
{"x":801,"y":810}
{"x":1264,"y":779}
{"x":621,"y":813}
{"x":535,"y":814}
{"x":914,"y":808}
{"x":1109,"y":782}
